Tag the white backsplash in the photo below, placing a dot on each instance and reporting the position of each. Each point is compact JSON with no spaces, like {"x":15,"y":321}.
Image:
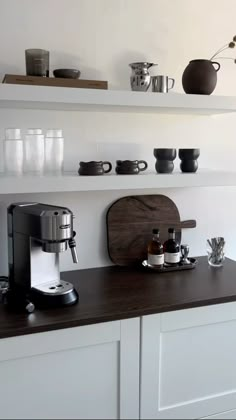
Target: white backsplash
{"x":102,"y":37}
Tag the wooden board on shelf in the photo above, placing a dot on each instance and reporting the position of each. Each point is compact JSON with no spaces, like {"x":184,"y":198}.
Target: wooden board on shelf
{"x":130,"y":221}
{"x":54,"y":81}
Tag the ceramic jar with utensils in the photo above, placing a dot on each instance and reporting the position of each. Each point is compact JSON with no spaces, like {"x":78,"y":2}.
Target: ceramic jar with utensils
{"x":215,"y":251}
{"x":188,"y":159}
{"x":94,"y":168}
{"x":164,"y":160}
{"x":130,"y":167}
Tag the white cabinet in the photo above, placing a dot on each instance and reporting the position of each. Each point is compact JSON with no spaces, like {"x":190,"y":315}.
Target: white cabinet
{"x":187,"y":369}
{"x":188,"y":363}
{"x":86,"y":372}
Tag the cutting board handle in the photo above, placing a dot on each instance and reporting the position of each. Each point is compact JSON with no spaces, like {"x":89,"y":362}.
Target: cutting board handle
{"x":187,"y":224}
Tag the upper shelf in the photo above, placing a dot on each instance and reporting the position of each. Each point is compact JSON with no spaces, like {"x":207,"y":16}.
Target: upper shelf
{"x":59,"y":98}
{"x":71,"y":182}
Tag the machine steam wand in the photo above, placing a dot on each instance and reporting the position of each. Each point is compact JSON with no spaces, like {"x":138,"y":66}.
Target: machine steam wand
{"x":72,"y":245}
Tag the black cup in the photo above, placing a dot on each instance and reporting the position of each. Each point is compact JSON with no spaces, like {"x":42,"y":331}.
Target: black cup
{"x":130,"y":167}
{"x":165,"y":158}
{"x":94,"y":168}
{"x":188,"y":159}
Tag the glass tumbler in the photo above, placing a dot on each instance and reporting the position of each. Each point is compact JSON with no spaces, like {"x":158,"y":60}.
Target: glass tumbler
{"x":34,"y":153}
{"x":13,"y":151}
{"x":215,"y":251}
{"x":37,"y":62}
{"x":54,"y":151}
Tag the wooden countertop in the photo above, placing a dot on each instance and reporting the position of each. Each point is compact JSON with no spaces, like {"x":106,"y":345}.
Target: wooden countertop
{"x":114,"y":293}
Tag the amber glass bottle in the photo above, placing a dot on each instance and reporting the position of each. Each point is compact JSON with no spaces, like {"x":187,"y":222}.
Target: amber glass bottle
{"x":155,"y":250}
{"x":171,"y":249}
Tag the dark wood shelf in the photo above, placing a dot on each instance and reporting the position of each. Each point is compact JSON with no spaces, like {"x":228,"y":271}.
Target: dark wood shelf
{"x":113,"y":293}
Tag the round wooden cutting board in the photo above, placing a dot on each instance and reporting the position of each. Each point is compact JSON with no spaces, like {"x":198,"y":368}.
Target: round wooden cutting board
{"x":130,"y":221}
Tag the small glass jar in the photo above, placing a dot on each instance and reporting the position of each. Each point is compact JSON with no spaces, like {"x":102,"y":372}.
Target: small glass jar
{"x":13,"y":152}
{"x":34,"y":152}
{"x":54,"y":151}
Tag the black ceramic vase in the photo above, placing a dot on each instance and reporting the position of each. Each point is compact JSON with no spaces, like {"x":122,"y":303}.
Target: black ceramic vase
{"x":188,"y":159}
{"x":200,"y":77}
{"x":165,"y":158}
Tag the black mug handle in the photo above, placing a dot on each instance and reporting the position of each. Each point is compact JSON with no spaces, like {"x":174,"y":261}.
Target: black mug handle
{"x":218,"y":64}
{"x":109,"y":167}
{"x":142,"y":162}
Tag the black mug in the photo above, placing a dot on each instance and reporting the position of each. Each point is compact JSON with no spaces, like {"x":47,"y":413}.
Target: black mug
{"x":188,"y":159}
{"x":164,"y":160}
{"x":130,"y":167}
{"x":94,"y":168}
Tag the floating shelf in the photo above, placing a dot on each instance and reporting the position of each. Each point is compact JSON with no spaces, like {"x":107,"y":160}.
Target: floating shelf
{"x":72,"y":182}
{"x":67,"y":99}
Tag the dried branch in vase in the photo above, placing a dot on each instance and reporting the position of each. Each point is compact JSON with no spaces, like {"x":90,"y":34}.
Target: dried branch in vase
{"x":231,"y":45}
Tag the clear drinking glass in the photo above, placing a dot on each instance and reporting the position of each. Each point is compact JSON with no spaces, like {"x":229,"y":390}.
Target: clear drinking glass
{"x":13,"y":151}
{"x":54,"y":151}
{"x":34,"y":153}
{"x":37,"y":62}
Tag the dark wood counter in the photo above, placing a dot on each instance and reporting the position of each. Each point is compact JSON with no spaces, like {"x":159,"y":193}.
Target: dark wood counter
{"x":113,"y":293}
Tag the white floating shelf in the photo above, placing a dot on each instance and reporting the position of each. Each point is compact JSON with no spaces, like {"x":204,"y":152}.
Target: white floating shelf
{"x":72,"y":182}
{"x":59,"y":98}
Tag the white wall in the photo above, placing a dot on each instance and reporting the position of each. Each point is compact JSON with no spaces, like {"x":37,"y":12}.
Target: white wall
{"x":101,"y":37}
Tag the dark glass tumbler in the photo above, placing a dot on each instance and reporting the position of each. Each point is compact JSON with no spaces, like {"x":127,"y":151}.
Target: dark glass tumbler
{"x":37,"y":62}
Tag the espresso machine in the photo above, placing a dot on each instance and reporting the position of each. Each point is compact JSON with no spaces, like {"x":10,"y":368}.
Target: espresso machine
{"x":37,"y":234}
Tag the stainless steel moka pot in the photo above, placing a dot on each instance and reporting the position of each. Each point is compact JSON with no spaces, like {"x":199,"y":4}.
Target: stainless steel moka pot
{"x":37,"y":234}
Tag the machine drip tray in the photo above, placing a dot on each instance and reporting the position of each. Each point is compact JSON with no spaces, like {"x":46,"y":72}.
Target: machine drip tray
{"x":54,"y":294}
{"x":55,"y":288}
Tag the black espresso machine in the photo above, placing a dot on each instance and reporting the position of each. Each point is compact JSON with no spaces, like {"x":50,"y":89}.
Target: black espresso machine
{"x":37,"y":234}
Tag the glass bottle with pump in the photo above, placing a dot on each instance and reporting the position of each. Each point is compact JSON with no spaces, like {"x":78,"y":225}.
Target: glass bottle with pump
{"x":155,"y":250}
{"x":171,"y":249}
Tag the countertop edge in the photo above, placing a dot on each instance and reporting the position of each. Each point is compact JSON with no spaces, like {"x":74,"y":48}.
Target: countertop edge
{"x":119,"y":317}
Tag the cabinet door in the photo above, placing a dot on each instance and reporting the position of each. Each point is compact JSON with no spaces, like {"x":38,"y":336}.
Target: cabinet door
{"x":87,"y":372}
{"x":188,"y":363}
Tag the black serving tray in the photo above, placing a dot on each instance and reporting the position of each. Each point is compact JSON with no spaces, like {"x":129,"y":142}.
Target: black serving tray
{"x":167,"y":268}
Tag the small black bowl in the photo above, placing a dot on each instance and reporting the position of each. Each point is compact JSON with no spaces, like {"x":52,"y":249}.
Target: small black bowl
{"x":165,"y":154}
{"x":189,"y":154}
{"x":67,"y":73}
